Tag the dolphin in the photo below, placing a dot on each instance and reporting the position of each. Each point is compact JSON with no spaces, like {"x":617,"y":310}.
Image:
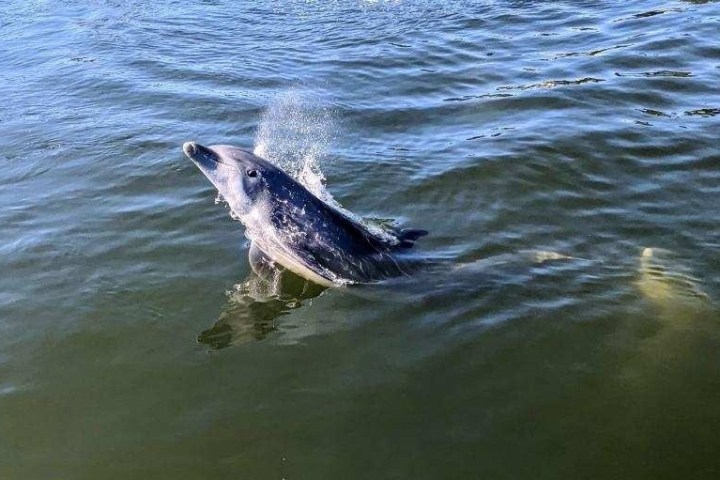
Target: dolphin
{"x":289,"y":226}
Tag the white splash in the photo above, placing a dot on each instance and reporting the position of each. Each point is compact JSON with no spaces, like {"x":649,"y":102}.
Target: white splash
{"x":295,"y":133}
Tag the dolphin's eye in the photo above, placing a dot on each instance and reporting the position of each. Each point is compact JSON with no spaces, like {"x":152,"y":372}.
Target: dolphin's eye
{"x":252,"y":173}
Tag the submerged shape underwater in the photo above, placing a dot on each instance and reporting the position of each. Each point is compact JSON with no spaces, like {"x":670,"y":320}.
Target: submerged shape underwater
{"x":560,"y":319}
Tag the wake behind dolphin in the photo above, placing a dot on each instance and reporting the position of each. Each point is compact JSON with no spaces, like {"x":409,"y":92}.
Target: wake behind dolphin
{"x":290,"y":226}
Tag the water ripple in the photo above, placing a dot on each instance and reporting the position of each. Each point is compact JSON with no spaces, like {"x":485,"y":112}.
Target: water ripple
{"x":585,"y":130}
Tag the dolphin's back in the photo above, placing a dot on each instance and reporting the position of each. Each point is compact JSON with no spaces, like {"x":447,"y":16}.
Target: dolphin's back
{"x":333,"y":245}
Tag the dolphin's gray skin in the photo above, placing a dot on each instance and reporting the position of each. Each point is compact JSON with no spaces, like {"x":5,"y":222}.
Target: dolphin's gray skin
{"x":293,"y":228}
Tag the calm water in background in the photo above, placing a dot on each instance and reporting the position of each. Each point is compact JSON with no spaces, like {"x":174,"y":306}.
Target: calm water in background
{"x":585,"y":128}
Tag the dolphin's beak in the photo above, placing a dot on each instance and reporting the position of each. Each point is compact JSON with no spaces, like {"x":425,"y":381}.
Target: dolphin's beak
{"x":197,"y":152}
{"x":190,"y":149}
{"x":204,"y":157}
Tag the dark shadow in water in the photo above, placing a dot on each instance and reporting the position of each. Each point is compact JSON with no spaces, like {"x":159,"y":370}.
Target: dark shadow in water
{"x":255,"y":305}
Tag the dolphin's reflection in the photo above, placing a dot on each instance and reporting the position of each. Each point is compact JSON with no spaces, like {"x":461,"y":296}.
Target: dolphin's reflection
{"x":255,"y":305}
{"x":270,"y":292}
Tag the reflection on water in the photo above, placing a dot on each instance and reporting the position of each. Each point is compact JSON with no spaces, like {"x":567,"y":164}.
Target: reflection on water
{"x":270,"y":293}
{"x":255,"y":306}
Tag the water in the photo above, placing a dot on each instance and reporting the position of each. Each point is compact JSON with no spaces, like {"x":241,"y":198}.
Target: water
{"x":134,"y":343}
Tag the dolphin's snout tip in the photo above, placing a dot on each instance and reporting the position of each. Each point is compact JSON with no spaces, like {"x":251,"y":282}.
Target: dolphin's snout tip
{"x":190,"y":148}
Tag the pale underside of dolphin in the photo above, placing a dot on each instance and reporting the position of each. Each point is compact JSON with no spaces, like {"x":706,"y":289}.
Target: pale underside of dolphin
{"x":290,"y":226}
